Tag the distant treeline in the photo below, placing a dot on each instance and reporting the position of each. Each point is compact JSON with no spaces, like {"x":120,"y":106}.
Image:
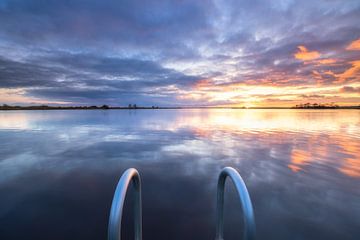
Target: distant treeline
{"x":46,"y":107}
{"x":134,"y":106}
{"x":323,"y":106}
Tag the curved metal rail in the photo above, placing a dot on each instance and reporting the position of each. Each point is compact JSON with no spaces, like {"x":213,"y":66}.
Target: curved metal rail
{"x":249,"y":220}
{"x":116,"y":212}
{"x":132,"y":175}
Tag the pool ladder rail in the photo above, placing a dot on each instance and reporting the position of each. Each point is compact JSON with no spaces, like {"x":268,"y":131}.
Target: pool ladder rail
{"x":132,"y":176}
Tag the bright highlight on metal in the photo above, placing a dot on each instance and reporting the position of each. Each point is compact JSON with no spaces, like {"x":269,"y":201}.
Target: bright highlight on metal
{"x":132,"y":176}
{"x":248,"y":213}
{"x":114,"y":228}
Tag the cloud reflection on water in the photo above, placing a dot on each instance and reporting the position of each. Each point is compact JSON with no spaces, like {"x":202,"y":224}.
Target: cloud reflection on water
{"x":300,"y":167}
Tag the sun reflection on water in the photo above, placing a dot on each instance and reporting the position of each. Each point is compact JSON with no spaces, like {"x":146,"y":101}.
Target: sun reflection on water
{"x":310,"y":137}
{"x":317,"y":137}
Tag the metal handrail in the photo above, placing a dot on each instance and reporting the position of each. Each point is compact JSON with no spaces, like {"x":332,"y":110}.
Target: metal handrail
{"x":132,"y":175}
{"x":248,"y":213}
{"x":116,"y":212}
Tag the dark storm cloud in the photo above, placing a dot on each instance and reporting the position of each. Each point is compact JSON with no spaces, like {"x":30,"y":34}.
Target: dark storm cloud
{"x":89,"y":78}
{"x":128,"y":69}
{"x":15,"y":74}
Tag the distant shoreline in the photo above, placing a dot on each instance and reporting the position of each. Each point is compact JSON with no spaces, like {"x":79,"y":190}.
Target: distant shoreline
{"x":104,"y":107}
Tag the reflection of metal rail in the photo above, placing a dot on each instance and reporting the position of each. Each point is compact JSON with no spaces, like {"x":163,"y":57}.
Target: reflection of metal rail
{"x":245,"y":200}
{"x":114,"y":228}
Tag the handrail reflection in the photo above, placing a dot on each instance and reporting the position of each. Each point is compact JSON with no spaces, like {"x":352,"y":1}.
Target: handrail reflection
{"x":116,"y":212}
{"x":245,"y":200}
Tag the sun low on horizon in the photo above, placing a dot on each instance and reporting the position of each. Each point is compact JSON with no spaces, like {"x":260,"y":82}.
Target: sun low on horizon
{"x":180,"y":53}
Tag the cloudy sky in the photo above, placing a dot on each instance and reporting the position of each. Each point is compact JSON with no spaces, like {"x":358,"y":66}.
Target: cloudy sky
{"x":179,"y":52}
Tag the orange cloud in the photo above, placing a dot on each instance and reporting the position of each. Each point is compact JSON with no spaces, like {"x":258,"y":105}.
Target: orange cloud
{"x":355,"y":45}
{"x":350,"y":73}
{"x":327,"y":61}
{"x":305,"y":55}
{"x":203,"y":83}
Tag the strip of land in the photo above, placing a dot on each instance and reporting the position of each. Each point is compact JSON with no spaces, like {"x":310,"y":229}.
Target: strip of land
{"x":132,"y":107}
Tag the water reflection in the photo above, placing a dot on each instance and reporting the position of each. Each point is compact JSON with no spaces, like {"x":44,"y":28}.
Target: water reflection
{"x":58,"y":169}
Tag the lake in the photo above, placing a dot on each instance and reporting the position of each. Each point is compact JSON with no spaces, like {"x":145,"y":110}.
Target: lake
{"x":59,"y":170}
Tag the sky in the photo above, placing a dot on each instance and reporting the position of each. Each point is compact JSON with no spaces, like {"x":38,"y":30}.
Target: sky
{"x":238,"y":53}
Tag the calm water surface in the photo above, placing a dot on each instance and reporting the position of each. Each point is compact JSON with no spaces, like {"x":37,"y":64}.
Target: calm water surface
{"x":59,"y":169}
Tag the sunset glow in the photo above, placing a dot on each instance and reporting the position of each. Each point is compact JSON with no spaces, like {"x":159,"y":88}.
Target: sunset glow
{"x":212,"y":53}
{"x":160,"y":104}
